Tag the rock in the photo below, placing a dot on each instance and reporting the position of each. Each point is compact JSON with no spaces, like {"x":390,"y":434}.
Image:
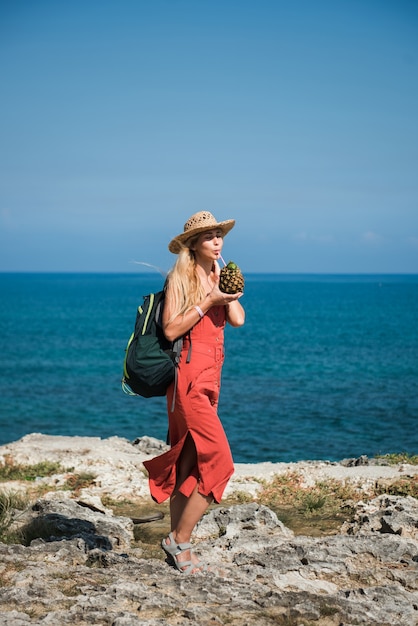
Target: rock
{"x":150,"y":446}
{"x":385,"y":515}
{"x":236,"y":522}
{"x":115,"y":462}
{"x":119,"y":472}
{"x":261,"y":574}
{"x":82,"y":565}
{"x":361,"y":460}
{"x":15,"y":618}
{"x":52,"y":520}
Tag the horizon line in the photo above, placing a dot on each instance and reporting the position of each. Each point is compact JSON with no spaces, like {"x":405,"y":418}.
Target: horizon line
{"x":253,"y":273}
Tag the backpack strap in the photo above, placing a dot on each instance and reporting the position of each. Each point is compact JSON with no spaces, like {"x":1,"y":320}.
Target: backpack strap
{"x":177,"y":361}
{"x":173,"y":402}
{"x":189,"y":351}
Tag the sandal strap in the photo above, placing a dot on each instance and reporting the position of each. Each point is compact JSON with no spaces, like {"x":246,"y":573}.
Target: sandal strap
{"x":201,"y":567}
{"x":186,"y":567}
{"x":174,"y":548}
{"x":182,"y":547}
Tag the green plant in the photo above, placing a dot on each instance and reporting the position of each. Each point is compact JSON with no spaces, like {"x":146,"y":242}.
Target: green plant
{"x":407,"y":486}
{"x":76,"y":482}
{"x":281,"y":490}
{"x":312,"y":501}
{"x":241,"y":497}
{"x":289,"y":490}
{"x":399,"y":457}
{"x":328,"y":496}
{"x":10,"y":470}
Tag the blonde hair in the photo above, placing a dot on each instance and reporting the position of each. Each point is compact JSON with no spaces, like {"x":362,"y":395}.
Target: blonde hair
{"x":183,"y":282}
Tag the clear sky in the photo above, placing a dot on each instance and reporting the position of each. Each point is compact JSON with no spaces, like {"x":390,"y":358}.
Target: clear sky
{"x":298,"y":118}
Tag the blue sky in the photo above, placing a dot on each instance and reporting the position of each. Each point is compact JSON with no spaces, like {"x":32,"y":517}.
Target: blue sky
{"x":122,"y":118}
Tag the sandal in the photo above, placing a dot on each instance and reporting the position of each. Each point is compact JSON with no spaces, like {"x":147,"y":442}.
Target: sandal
{"x":173,"y":549}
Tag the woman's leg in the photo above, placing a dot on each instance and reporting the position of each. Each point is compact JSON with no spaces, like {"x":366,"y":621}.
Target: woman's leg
{"x":186,"y":511}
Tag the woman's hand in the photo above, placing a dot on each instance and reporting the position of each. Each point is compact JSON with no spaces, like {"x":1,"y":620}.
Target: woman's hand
{"x":235,"y":313}
{"x":218,"y":297}
{"x":182,"y":323}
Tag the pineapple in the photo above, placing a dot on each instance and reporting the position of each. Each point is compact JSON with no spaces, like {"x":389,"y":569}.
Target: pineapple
{"x":231,"y":279}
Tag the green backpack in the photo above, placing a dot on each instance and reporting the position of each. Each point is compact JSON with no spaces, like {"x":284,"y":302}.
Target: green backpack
{"x":151,"y":361}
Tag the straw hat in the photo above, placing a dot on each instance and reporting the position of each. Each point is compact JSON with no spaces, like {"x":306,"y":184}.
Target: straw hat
{"x":198,"y":223}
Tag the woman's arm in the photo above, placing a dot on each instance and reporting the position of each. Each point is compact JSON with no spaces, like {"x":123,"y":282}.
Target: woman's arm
{"x":184,"y":322}
{"x":235,"y":313}
{"x":179,"y":326}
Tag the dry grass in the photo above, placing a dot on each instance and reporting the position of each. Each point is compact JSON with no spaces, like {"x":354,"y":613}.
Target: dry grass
{"x":316,"y":510}
{"x":11,"y":503}
{"x":327,"y":495}
{"x":77,"y":482}
{"x":407,"y":486}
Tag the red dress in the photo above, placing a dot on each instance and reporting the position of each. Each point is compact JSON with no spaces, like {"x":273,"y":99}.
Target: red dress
{"x":195,"y":413}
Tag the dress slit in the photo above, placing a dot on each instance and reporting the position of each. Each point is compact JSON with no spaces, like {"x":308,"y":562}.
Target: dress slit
{"x":195,"y":415}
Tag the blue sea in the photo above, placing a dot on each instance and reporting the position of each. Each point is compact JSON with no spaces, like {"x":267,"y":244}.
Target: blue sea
{"x":326,"y":366}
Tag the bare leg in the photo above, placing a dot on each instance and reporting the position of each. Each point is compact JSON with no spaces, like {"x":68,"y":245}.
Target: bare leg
{"x":191,"y":512}
{"x":186,"y":511}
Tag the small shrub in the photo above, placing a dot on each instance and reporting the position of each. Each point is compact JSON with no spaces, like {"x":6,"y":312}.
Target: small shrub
{"x":281,"y":490}
{"x":407,"y":486}
{"x":10,"y":470}
{"x":312,"y":501}
{"x":326,"y":496}
{"x":77,"y":482}
{"x":399,"y":457}
{"x":241,"y":497}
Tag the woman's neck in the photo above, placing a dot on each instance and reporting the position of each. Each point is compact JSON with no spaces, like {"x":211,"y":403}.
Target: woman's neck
{"x":204,"y":271}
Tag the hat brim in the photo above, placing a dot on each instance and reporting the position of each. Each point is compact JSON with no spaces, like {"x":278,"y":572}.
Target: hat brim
{"x":179,"y":242}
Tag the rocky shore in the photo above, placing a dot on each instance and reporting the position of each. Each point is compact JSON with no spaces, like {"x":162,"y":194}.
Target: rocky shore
{"x":84,"y":564}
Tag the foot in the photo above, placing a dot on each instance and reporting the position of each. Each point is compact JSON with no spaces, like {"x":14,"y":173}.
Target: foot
{"x":182,"y":556}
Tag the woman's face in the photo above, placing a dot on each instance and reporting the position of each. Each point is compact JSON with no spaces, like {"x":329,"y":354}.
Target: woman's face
{"x":209,"y":245}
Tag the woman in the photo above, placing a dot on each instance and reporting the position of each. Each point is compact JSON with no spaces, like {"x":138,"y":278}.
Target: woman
{"x":197,"y":468}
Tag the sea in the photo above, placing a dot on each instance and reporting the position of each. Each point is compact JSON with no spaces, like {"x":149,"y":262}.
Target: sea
{"x":325,"y":367}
